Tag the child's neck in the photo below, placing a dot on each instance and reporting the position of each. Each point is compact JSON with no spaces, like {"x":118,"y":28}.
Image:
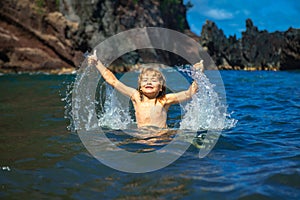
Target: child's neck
{"x":149,"y":98}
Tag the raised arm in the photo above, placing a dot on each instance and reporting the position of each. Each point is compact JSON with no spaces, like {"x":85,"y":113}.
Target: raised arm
{"x":187,"y":94}
{"x":110,"y":78}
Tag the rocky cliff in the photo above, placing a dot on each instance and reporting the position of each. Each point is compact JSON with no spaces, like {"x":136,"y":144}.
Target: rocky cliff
{"x":255,"y":50}
{"x":52,"y":35}
{"x":35,"y":37}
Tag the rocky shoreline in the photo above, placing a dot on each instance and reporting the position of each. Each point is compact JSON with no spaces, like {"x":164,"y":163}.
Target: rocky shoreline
{"x":51,"y":36}
{"x":118,"y":69}
{"x":255,"y":50}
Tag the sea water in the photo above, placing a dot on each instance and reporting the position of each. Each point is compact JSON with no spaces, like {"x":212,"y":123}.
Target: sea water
{"x":258,"y":158}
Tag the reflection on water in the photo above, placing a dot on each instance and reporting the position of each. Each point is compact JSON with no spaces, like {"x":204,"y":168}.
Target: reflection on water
{"x":148,"y":140}
{"x":140,"y":140}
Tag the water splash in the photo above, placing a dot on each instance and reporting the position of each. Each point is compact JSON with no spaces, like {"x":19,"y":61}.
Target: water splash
{"x":205,"y":111}
{"x":105,"y":103}
{"x":66,"y":97}
{"x":113,"y":114}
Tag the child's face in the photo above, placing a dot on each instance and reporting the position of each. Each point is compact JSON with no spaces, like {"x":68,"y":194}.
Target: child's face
{"x":150,"y":84}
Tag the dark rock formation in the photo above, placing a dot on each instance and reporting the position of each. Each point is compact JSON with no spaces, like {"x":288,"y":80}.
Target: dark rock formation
{"x":256,"y":50}
{"x":99,"y":20}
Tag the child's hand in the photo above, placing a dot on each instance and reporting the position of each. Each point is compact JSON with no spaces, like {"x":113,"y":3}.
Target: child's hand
{"x":199,"y":66}
{"x":194,"y":87}
{"x":92,"y":59}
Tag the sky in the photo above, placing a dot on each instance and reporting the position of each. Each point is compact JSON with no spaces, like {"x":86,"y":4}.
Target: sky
{"x":231,"y":15}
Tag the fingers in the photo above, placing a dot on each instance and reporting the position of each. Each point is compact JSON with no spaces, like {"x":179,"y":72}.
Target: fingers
{"x":92,"y":59}
{"x":95,"y":54}
{"x":194,"y":87}
{"x":199,"y":66}
{"x":201,"y":62}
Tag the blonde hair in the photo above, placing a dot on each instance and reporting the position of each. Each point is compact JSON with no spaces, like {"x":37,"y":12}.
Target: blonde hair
{"x":161,"y":78}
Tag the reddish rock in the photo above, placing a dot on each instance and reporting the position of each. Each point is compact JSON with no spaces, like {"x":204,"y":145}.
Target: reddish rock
{"x":35,"y":39}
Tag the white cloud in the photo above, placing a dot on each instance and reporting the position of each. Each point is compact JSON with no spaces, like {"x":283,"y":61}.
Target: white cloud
{"x":218,"y":14}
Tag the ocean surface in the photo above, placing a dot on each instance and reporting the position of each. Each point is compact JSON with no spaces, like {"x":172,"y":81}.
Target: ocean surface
{"x":258,"y":158}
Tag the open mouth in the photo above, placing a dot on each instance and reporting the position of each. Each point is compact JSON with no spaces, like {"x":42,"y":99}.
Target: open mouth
{"x":149,"y":87}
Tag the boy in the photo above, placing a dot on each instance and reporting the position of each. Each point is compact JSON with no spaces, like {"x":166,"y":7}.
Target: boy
{"x":150,"y":102}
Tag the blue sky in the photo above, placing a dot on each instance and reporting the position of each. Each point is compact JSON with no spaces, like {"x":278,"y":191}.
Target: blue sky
{"x":230,"y":15}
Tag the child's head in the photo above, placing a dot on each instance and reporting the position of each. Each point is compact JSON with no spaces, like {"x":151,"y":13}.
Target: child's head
{"x":154,"y":79}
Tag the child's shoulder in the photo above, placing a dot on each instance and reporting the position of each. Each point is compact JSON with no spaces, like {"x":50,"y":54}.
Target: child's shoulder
{"x":135,"y":95}
{"x":162,"y":99}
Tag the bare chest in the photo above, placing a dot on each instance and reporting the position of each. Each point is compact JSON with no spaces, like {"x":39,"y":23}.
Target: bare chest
{"x":151,"y":113}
